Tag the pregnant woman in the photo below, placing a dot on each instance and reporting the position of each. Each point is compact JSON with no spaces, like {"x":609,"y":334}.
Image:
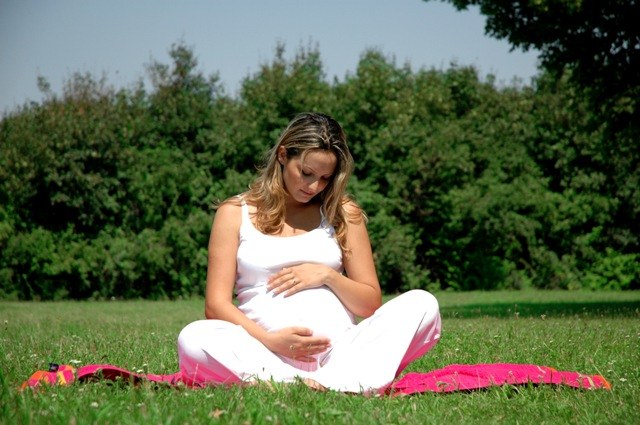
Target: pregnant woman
{"x":295,"y":250}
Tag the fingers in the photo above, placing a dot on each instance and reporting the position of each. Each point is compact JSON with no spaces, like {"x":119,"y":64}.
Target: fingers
{"x":293,"y":288}
{"x":285,"y":280}
{"x":306,"y":345}
{"x":285,"y":271}
{"x":306,"y":352}
{"x":307,"y":337}
{"x":298,"y":342}
{"x":308,"y":348}
{"x":306,"y":359}
{"x":283,"y":276}
{"x":302,"y":331}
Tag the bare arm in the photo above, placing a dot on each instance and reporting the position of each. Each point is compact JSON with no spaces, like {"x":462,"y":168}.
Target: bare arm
{"x":221,"y":267}
{"x":359,"y":290}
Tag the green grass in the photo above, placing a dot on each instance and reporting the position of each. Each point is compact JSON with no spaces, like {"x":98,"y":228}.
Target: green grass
{"x":594,"y":333}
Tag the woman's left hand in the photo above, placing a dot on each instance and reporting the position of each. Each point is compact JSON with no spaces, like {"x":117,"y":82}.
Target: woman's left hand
{"x":291,"y":280}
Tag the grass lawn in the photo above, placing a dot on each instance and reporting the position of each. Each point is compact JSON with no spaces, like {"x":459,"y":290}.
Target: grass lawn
{"x":589,"y":332}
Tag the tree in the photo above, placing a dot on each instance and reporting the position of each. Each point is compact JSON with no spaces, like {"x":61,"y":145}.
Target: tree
{"x":593,"y":45}
{"x":597,"y":40}
{"x":107,"y":193}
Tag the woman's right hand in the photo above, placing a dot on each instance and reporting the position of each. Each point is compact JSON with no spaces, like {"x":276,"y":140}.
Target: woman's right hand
{"x":297,"y":343}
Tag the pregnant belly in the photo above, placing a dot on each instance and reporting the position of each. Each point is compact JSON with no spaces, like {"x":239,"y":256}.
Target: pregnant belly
{"x":317,"y":309}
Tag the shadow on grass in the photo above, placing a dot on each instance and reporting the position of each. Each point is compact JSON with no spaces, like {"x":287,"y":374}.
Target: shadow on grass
{"x":547,"y":309}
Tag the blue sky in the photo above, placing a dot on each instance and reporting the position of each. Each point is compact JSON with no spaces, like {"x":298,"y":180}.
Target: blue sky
{"x":117,"y":38}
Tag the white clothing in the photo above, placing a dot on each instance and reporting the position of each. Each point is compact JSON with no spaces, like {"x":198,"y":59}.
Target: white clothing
{"x":362,"y":358}
{"x":260,"y":256}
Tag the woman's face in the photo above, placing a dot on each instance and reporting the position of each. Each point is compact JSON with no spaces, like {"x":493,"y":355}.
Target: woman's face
{"x":305,"y":179}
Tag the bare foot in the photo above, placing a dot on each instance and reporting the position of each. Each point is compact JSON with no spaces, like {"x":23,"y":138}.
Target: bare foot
{"x":258,"y":383}
{"x":314,"y":385}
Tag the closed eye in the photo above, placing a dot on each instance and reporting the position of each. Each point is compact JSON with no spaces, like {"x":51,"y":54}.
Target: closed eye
{"x":308,"y":174}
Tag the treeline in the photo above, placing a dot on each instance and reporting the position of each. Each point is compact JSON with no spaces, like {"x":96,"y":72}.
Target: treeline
{"x":467,"y":184}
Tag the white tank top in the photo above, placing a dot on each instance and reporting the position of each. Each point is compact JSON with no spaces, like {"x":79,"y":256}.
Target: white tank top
{"x":260,"y":256}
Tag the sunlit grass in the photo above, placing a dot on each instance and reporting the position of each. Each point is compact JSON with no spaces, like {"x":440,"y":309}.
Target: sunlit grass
{"x":594,"y":333}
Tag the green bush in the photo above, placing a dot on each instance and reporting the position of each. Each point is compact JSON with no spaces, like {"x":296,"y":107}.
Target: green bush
{"x":614,"y":271}
{"x":109,"y":193}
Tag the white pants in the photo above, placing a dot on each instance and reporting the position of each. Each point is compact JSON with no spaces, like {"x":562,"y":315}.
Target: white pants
{"x":366,"y":358}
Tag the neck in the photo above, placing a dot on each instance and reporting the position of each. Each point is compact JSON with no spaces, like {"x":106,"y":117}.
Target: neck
{"x":291,"y":205}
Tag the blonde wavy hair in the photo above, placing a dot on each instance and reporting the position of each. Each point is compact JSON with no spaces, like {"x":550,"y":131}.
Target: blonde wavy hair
{"x":306,"y":132}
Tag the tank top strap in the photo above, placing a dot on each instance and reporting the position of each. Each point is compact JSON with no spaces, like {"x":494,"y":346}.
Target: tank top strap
{"x":245,"y":211}
{"x":323,"y":218}
{"x":325,"y":225}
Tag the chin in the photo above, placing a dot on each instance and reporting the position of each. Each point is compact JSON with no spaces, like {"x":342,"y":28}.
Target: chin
{"x":305,"y":199}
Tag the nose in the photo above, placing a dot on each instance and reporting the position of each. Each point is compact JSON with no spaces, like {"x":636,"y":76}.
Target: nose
{"x":314,"y":185}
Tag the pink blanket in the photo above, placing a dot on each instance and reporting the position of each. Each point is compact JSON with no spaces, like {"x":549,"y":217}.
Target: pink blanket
{"x":472,"y":377}
{"x":448,"y":379}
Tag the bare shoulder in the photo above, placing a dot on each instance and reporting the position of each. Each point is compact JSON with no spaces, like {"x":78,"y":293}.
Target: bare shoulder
{"x":229,"y":212}
{"x":354,"y":214}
